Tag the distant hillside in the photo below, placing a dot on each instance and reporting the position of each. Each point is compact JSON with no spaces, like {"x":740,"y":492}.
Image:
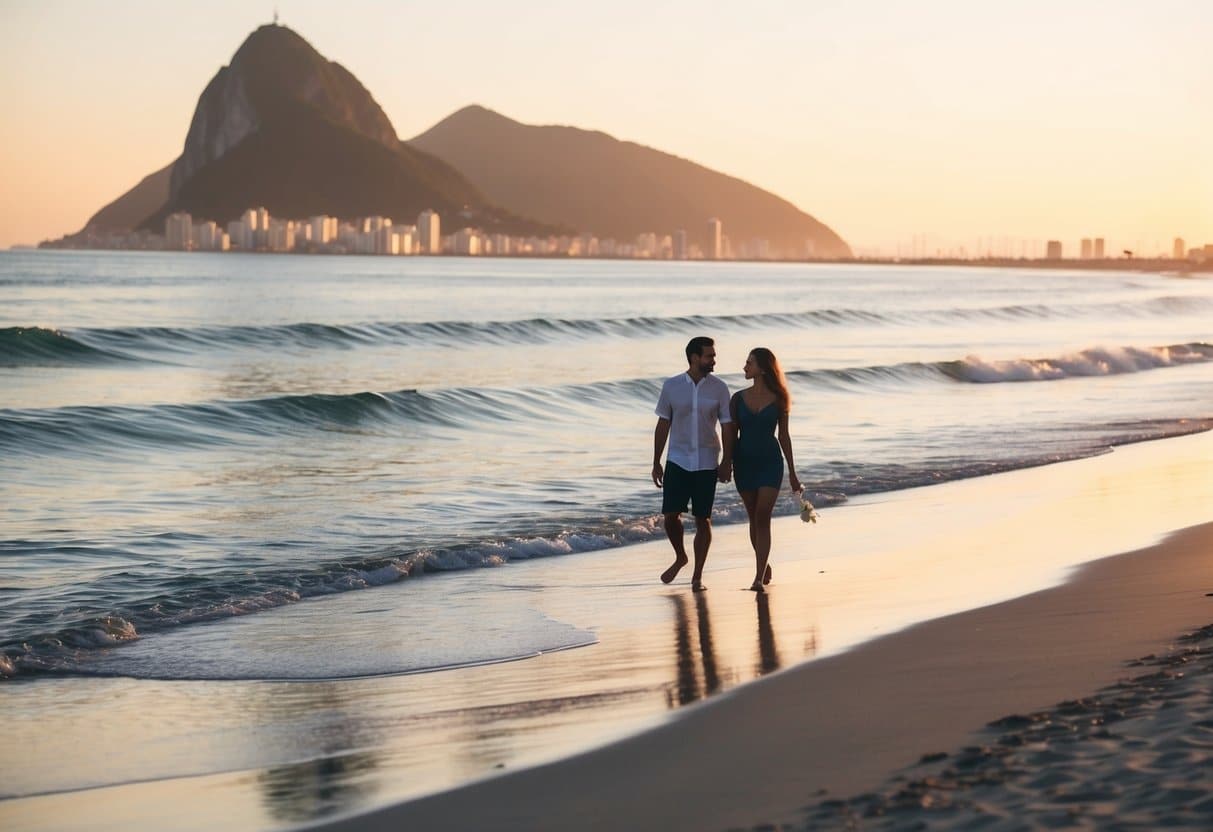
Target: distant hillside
{"x":593,"y":182}
{"x":285,"y":128}
{"x":134,"y":206}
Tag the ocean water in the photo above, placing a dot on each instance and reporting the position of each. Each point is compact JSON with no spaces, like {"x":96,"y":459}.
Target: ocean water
{"x":192,"y":438}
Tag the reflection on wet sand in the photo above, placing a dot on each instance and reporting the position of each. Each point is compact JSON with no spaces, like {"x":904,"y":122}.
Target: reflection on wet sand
{"x":768,"y":654}
{"x":702,"y":667}
{"x":308,"y":791}
{"x":335,"y":782}
{"x":690,"y":684}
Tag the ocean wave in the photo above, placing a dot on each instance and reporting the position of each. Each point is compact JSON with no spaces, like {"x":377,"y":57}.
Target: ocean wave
{"x":172,"y":602}
{"x":129,"y":343}
{"x":65,"y":648}
{"x":35,"y":346}
{"x":1096,"y":361}
{"x":112,"y":428}
{"x":1099,"y":361}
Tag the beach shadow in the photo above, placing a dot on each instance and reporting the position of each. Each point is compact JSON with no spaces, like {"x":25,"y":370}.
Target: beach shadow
{"x":701,"y":668}
{"x":315,"y":789}
{"x":696,"y":672}
{"x":768,"y":653}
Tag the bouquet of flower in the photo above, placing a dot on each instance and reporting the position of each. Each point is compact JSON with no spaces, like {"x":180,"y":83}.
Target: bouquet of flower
{"x":807,"y":513}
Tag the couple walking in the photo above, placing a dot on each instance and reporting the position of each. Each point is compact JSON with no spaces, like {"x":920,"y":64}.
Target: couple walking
{"x":690,"y":406}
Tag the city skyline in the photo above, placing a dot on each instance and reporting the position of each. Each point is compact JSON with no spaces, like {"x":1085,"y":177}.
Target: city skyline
{"x":930,"y":130}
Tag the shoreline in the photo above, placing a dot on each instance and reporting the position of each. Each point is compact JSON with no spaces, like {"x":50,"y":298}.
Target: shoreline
{"x":693,"y":710}
{"x":1153,"y":265}
{"x":862,"y":706}
{"x":845,"y":724}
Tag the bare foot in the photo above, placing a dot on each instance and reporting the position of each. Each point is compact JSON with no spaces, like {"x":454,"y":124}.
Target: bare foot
{"x":757,"y":587}
{"x":697,"y":586}
{"x":766,"y":576}
{"x":672,"y":572}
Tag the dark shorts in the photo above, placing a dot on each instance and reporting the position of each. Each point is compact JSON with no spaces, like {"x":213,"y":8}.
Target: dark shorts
{"x":681,"y":486}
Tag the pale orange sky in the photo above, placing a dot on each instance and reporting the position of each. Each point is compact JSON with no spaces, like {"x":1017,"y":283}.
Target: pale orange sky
{"x":935,"y":124}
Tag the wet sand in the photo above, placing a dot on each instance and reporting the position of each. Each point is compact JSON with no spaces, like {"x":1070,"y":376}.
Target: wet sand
{"x":899,"y":626}
{"x":844,"y":726}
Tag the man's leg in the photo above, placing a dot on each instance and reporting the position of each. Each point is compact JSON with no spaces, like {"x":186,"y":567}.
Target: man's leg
{"x":675,"y":494}
{"x":702,"y":498}
{"x":703,"y":539}
{"x":673,"y":530}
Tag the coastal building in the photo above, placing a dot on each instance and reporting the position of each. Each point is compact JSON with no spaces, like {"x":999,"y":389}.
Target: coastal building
{"x":235,"y":233}
{"x":1053,"y":250}
{"x":261,"y":231}
{"x":323,"y":230}
{"x":1179,"y":249}
{"x":210,"y":237}
{"x":1086,"y":248}
{"x":179,"y":231}
{"x":280,"y":236}
{"x":1099,"y":248}
{"x":429,"y":233}
{"x":406,"y":238}
{"x":714,"y":250}
{"x":385,"y":240}
{"x":646,"y":245}
{"x":680,"y":249}
{"x":467,"y":242}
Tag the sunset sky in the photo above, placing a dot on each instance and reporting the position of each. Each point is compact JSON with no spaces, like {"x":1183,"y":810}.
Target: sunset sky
{"x":934,"y":123}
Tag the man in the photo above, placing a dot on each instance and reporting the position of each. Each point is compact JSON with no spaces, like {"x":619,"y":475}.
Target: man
{"x":691,"y":406}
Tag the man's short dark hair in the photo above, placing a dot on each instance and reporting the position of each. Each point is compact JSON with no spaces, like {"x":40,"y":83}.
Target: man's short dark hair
{"x":695,"y":346}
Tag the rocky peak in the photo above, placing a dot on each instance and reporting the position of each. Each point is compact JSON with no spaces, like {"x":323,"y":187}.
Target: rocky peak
{"x":274,"y":72}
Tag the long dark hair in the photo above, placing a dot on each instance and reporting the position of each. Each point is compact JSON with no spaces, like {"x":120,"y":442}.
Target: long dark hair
{"x":772,"y":376}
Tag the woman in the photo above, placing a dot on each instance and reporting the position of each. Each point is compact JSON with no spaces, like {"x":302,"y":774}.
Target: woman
{"x":757,"y":455}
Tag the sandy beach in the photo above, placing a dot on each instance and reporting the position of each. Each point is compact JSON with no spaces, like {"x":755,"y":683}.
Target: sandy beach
{"x":832,"y":743}
{"x":896,"y":630}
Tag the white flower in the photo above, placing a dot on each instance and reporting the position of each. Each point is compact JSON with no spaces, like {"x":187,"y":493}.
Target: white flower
{"x":807,"y":513}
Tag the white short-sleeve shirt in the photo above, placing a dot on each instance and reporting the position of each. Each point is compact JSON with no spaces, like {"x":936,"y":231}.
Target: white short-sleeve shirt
{"x":694,"y":410}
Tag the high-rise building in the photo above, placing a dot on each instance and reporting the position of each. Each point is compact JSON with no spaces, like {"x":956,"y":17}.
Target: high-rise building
{"x":1099,"y":248}
{"x":280,"y":235}
{"x":323,"y":228}
{"x":235,"y":232}
{"x":261,"y":231}
{"x":1053,"y":250}
{"x":179,"y":231}
{"x":208,"y":236}
{"x":713,"y":251}
{"x":429,"y":233}
{"x":680,"y":245}
{"x":467,"y":241}
{"x":407,"y":235}
{"x":387,"y":241}
{"x":1179,"y":250}
{"x":1085,"y":247}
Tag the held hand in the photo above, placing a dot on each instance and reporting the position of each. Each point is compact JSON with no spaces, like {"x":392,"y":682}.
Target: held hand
{"x":724,"y":472}
{"x":794,"y":481}
{"x":658,"y":474}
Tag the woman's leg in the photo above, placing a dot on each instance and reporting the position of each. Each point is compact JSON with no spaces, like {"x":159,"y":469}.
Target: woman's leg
{"x":750,"y":500}
{"x":760,"y":532}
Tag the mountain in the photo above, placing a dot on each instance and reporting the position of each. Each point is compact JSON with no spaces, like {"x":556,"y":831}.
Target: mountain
{"x":285,"y":128}
{"x":134,"y":206}
{"x":593,"y":182}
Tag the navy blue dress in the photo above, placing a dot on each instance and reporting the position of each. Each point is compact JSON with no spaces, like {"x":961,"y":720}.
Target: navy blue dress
{"x":757,"y":459}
